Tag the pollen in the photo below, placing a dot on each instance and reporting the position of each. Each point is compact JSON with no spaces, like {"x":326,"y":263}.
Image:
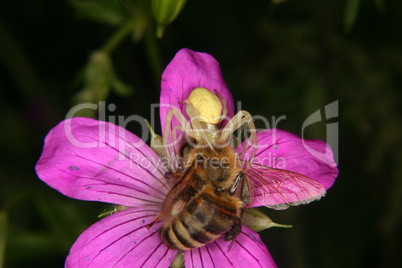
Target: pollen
{"x":207,"y":103}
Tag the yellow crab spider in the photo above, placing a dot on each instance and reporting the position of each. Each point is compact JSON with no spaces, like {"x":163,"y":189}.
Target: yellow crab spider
{"x":205,"y":111}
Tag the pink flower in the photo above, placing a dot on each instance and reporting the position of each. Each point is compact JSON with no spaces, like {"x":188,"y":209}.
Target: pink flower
{"x":92,"y":160}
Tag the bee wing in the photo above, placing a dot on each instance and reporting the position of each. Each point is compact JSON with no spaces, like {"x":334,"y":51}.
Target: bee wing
{"x":172,"y":204}
{"x":279,"y":189}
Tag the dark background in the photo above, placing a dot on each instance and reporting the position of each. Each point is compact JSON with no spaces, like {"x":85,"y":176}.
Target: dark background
{"x":289,"y":59}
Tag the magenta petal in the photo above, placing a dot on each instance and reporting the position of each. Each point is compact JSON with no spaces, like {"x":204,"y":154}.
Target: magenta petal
{"x":248,"y":251}
{"x":121,"y":240}
{"x":92,"y":160}
{"x":187,"y":71}
{"x":310,"y":162}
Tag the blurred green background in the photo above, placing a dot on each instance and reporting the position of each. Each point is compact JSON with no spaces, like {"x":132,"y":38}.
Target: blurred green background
{"x":291,"y":59}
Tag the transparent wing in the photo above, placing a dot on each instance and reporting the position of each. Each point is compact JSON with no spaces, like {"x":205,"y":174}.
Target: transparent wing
{"x":172,"y":203}
{"x":279,"y":189}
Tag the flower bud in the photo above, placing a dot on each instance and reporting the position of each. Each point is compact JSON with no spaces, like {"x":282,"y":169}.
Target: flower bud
{"x":99,"y":78}
{"x":165,"y":11}
{"x":156,"y":142}
{"x":258,"y":221}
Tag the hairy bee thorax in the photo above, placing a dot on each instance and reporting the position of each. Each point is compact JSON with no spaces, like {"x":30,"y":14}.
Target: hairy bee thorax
{"x":218,"y":166}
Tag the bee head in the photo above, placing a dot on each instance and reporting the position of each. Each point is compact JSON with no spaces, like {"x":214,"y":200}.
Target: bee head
{"x":218,"y":167}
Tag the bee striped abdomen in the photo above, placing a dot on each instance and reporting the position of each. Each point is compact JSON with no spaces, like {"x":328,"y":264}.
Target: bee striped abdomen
{"x":201,"y":221}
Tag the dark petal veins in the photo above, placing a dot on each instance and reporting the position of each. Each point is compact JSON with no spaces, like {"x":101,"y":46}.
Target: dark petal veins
{"x":92,"y":160}
{"x":121,"y":240}
{"x":248,"y":251}
{"x":288,"y":170}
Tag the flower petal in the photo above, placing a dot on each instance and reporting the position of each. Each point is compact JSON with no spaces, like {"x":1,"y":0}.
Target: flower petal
{"x":92,"y":160}
{"x":248,"y":251}
{"x":187,"y":71}
{"x":121,"y":240}
{"x":289,"y":170}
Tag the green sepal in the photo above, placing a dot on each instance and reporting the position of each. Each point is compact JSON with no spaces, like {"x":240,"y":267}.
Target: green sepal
{"x":156,"y":142}
{"x":178,"y":261}
{"x":258,"y":221}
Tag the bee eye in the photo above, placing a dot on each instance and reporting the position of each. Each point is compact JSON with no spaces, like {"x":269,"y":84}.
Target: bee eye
{"x":236,"y":183}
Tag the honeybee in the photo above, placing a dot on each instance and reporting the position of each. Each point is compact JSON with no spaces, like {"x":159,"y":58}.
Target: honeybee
{"x":208,"y":201}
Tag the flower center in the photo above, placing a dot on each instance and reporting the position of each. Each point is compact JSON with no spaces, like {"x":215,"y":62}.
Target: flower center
{"x":207,"y":104}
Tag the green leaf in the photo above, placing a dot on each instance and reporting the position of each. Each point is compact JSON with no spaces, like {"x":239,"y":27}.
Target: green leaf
{"x":351,"y":11}
{"x":113,"y":12}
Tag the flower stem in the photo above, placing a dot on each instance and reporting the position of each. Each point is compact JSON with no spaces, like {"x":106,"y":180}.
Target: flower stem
{"x":119,"y":36}
{"x":153,"y":55}
{"x":159,"y":31}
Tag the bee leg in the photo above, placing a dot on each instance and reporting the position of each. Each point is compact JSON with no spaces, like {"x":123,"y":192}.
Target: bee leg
{"x":234,"y":231}
{"x":245,"y":198}
{"x":153,"y":222}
